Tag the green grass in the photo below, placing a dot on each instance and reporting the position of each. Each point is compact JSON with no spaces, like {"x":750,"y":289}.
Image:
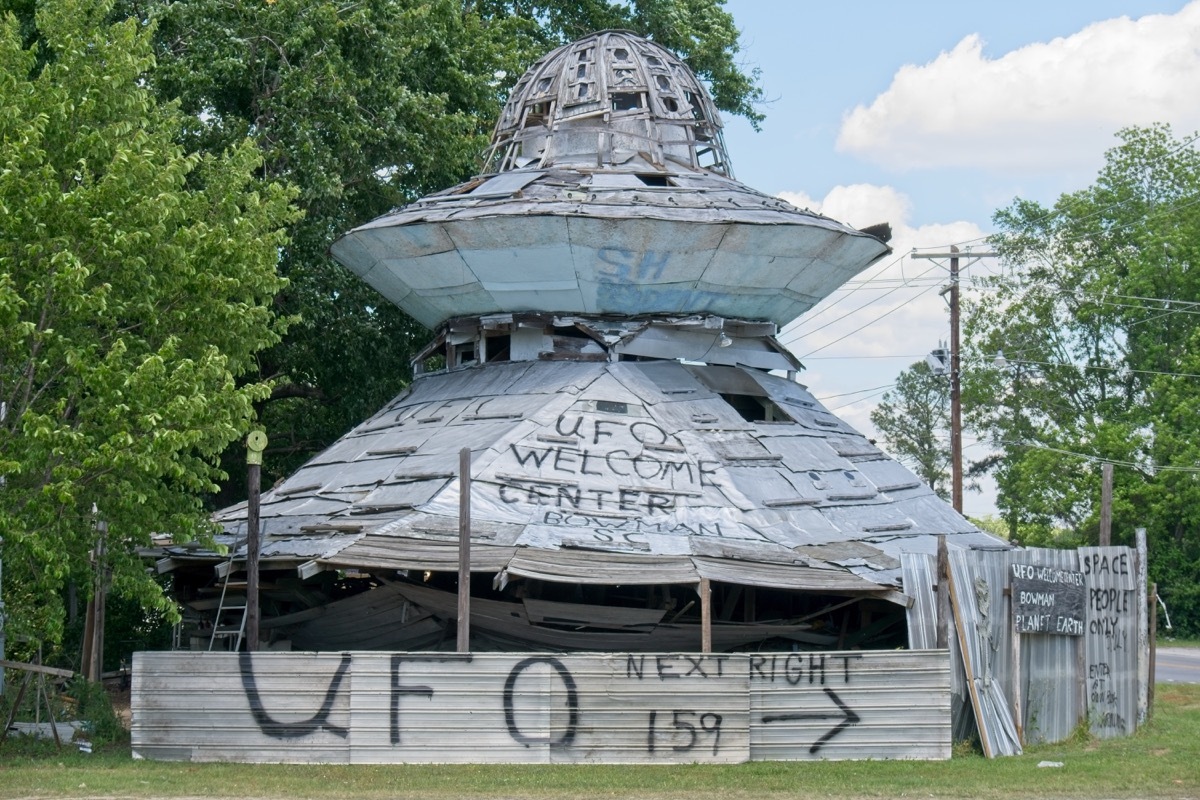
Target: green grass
{"x":1161,"y":760}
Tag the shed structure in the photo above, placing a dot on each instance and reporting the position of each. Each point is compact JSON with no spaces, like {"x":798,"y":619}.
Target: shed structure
{"x":605,"y":300}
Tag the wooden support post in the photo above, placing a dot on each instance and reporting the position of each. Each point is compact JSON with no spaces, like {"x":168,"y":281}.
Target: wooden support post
{"x":705,"y":616}
{"x":464,"y":550}
{"x":944,"y":611}
{"x":1152,"y":610}
{"x":1018,"y":715}
{"x":1145,"y":677}
{"x":1106,"y":472}
{"x":256,"y":442}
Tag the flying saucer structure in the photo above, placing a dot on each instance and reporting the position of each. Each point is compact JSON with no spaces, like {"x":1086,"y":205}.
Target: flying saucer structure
{"x":604,"y":301}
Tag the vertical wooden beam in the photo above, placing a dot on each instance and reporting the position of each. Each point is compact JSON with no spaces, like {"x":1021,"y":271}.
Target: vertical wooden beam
{"x":705,"y":616}
{"x":1143,"y":623}
{"x":464,"y":550}
{"x":256,"y":442}
{"x":944,"y":612}
{"x":1018,"y":714}
{"x":1106,"y":472}
{"x":1152,"y":610}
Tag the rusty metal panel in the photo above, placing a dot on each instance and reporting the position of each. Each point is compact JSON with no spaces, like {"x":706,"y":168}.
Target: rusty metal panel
{"x":368,"y":707}
{"x":1111,"y":639}
{"x":852,"y":705}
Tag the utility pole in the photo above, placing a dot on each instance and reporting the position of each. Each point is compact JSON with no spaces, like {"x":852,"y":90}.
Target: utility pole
{"x":256,"y":442}
{"x":956,"y":459}
{"x":1106,"y":479}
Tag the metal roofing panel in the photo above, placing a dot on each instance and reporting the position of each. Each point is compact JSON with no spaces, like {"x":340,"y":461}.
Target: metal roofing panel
{"x":782,"y":576}
{"x":670,"y":378}
{"x":800,"y":452}
{"x":700,"y":345}
{"x":695,"y":418}
{"x":398,"y":496}
{"x":570,"y":566}
{"x":507,"y":183}
{"x":394,"y":552}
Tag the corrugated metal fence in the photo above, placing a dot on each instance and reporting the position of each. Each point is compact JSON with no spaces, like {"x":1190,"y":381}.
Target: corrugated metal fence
{"x":1039,"y":685}
{"x":371,"y":707}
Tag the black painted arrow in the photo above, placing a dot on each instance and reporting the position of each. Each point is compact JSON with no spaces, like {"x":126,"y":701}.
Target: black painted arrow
{"x":847,"y":717}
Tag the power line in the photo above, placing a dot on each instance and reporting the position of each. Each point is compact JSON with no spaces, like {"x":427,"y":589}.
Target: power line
{"x":890,"y":311}
{"x":799,"y":334}
{"x":858,"y":391}
{"x":1099,"y":460}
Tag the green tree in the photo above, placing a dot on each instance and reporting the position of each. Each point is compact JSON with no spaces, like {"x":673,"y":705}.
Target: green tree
{"x":364,"y":107}
{"x":136,"y":290}
{"x":1099,"y":320}
{"x":914,"y":420}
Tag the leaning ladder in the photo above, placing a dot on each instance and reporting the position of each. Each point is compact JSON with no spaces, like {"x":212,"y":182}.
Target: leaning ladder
{"x":230,"y":631}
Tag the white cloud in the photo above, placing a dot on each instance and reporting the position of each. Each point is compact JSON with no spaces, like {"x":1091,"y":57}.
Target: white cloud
{"x":1050,"y":104}
{"x":891,"y":315}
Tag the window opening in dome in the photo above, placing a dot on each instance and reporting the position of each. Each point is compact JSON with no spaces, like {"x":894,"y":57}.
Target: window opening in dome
{"x":626,"y":101}
{"x":654,"y":61}
{"x":582,"y":71}
{"x":670,"y":104}
{"x":662,"y":82}
{"x":544,"y":84}
{"x":464,"y":354}
{"x":537,"y":114}
{"x":756,"y":409}
{"x":621,"y":54}
{"x":655,"y":180}
{"x":584,"y":55}
{"x":583,"y":90}
{"x":611,"y":407}
{"x":498,"y":348}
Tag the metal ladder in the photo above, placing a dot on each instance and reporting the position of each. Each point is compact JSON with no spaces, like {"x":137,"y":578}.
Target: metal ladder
{"x":226,"y":630}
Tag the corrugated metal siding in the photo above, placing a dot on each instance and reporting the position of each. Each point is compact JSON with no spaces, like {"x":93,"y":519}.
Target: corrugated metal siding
{"x":918,"y":571}
{"x":859,"y":705}
{"x":370,"y":707}
{"x":983,"y":622}
{"x":1050,"y":697}
{"x":207,"y":707}
{"x":918,"y":576}
{"x":1111,"y":639}
{"x":1059,"y":684}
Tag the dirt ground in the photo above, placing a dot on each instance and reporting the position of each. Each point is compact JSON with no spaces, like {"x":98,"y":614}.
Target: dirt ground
{"x":120,"y":701}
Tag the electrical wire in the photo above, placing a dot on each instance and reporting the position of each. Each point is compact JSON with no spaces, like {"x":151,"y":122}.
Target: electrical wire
{"x":858,"y":391}
{"x":801,"y":334}
{"x":1099,"y":460}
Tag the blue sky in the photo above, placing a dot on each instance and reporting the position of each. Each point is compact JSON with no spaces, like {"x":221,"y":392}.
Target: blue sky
{"x":931,"y":116}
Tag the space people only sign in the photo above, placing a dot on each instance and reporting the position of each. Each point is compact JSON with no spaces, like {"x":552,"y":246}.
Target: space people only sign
{"x":1047,"y":600}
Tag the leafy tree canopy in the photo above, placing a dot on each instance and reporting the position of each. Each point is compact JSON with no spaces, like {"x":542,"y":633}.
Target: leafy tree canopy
{"x":136,"y":289}
{"x":364,"y":107}
{"x":1098,"y":316}
{"x":914,"y":420}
